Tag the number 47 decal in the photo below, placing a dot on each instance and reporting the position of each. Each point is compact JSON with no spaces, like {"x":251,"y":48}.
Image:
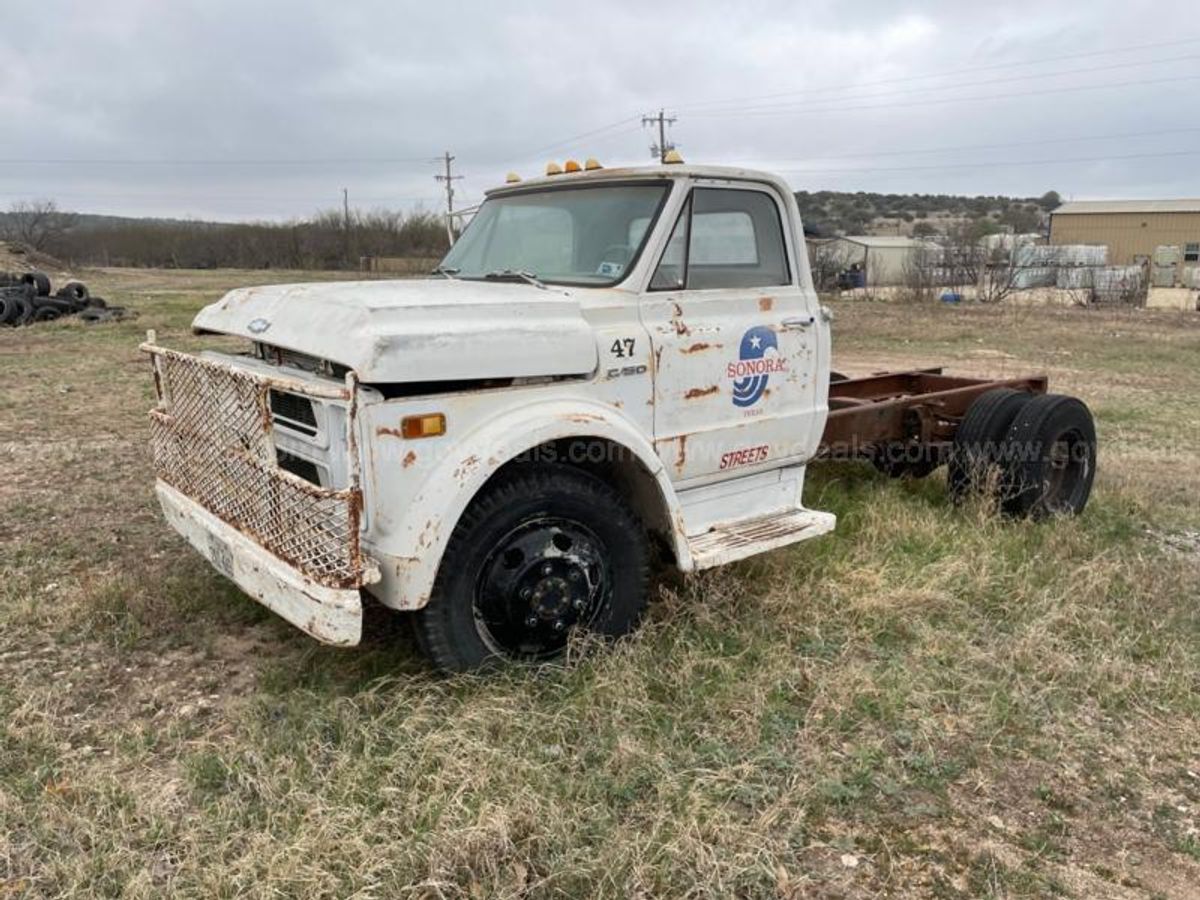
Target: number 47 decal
{"x":622,"y":347}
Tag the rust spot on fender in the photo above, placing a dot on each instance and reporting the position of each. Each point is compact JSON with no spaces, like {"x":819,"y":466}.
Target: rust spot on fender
{"x":694,"y":393}
{"x":696,"y":347}
{"x":583,"y":418}
{"x":681,"y":453}
{"x":466,"y":466}
{"x":409,"y":459}
{"x":765,"y":303}
{"x":394,"y":432}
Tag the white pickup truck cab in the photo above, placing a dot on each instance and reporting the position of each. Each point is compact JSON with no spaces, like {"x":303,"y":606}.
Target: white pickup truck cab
{"x":607,"y":360}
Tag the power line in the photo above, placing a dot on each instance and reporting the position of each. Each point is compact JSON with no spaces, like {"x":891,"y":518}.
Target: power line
{"x":546,"y":147}
{"x":966,"y":84}
{"x":943,"y":74}
{"x":957,"y":147}
{"x":945,"y":100}
{"x":999,"y":163}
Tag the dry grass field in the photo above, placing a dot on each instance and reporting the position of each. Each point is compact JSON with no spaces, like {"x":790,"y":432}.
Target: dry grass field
{"x":928,"y":703}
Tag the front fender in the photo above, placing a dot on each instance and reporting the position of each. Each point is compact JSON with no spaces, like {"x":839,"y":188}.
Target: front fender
{"x":411,"y":551}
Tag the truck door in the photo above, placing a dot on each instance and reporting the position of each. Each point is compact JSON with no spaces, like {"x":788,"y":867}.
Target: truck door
{"x":734,"y":338}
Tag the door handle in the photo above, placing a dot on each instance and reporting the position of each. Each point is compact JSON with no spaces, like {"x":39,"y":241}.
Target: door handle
{"x":798,"y":322}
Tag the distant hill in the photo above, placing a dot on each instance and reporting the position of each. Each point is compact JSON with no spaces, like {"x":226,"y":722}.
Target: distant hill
{"x":837,"y":212}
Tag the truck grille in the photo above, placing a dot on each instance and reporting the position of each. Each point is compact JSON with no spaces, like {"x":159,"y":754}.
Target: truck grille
{"x":294,"y":412}
{"x":211,"y":440}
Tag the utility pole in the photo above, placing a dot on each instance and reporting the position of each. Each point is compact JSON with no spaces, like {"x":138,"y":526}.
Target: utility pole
{"x":449,"y":178}
{"x":663,"y":147}
{"x":346,"y":224}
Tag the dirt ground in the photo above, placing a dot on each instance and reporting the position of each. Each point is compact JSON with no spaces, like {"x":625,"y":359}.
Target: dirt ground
{"x":929,"y":703}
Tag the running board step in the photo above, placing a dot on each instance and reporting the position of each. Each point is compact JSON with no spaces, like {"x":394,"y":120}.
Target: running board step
{"x":732,"y":541}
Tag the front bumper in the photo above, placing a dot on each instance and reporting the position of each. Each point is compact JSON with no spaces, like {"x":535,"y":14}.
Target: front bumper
{"x":331,"y":615}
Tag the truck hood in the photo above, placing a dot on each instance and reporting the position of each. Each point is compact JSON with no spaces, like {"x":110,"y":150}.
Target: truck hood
{"x":415,"y":330}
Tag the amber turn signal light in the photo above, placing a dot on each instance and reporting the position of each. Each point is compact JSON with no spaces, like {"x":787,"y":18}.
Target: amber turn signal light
{"x":427,"y":425}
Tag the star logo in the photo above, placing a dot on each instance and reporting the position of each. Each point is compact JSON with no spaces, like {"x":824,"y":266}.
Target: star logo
{"x":752,"y":369}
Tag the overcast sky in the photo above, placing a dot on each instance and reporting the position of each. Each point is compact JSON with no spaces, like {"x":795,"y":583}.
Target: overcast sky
{"x":268,"y":109}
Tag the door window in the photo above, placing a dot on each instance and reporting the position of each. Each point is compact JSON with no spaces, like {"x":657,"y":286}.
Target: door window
{"x":724,"y":238}
{"x":669,"y":276}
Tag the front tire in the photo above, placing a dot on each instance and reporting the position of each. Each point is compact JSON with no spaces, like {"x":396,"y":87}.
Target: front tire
{"x":542,"y":552}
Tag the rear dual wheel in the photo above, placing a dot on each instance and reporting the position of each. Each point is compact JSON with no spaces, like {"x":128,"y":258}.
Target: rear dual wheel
{"x":542,"y":553}
{"x":1052,"y":458}
{"x":1036,"y":455}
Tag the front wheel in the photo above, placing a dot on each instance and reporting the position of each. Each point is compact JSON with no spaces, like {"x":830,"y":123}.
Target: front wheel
{"x":542,"y":552}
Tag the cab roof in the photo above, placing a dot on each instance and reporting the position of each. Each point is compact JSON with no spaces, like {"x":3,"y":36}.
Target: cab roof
{"x":649,"y":173}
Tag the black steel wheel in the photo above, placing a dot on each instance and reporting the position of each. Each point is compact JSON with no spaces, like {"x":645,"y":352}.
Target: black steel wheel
{"x":542,"y":579}
{"x":1051,"y":458}
{"x":975,"y":458}
{"x":543,"y":552}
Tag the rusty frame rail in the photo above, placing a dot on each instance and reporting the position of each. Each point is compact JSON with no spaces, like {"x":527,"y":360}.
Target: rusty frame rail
{"x":920,"y":407}
{"x":212,"y":441}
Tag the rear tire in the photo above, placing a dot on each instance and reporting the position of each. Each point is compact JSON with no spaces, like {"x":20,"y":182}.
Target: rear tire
{"x":1051,"y":464}
{"x":975,"y":458}
{"x":541,"y":552}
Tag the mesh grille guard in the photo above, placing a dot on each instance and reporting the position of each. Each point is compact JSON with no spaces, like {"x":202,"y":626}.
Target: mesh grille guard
{"x":211,"y":437}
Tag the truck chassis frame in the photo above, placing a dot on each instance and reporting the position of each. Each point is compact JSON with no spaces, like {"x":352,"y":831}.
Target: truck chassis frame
{"x":919,"y":409}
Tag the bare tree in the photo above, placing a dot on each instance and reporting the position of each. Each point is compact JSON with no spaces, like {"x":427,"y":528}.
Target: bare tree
{"x":922,"y":274}
{"x":998,"y":276}
{"x":36,"y":222}
{"x":827,"y":259}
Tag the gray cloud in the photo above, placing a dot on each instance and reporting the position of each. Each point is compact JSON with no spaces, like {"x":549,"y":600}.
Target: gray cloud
{"x":243,"y":110}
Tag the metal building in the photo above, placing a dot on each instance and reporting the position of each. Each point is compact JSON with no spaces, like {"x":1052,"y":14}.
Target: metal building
{"x":883,"y":259}
{"x":1131,"y":229}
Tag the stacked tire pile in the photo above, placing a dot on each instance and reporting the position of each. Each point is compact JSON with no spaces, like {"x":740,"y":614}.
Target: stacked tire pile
{"x":25,"y":298}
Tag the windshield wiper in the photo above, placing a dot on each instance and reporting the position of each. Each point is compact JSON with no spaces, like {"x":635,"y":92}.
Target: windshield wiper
{"x":445,"y":271}
{"x":510,"y":274}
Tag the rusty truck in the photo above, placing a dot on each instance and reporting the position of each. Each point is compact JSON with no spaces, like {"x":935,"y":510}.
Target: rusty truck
{"x":610,"y":369}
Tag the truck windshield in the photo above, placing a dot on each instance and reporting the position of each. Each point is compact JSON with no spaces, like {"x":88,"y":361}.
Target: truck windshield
{"x":567,"y":235}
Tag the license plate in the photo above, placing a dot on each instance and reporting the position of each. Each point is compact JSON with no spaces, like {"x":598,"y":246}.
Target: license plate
{"x":220,"y":555}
